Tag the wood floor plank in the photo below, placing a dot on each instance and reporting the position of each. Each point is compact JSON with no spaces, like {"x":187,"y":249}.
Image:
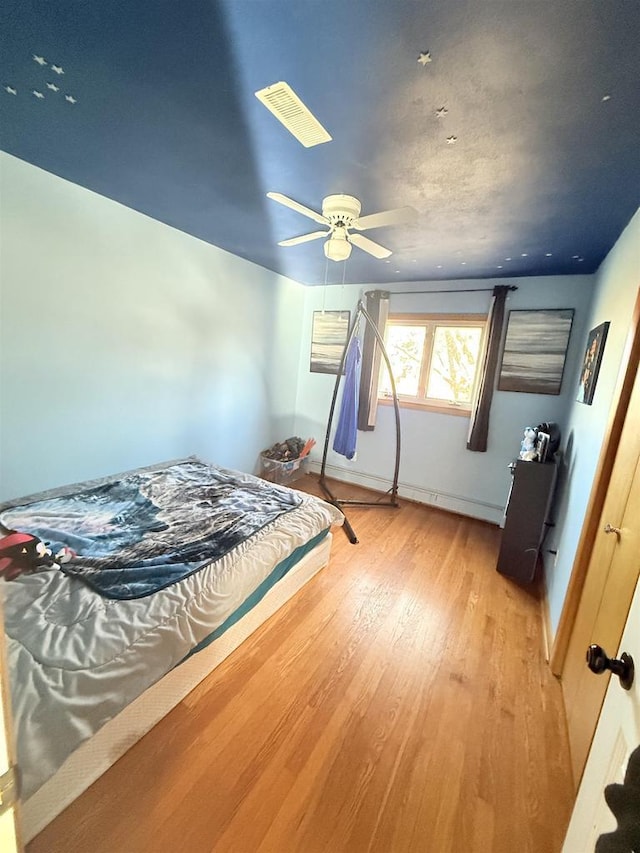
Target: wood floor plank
{"x":400,"y":703}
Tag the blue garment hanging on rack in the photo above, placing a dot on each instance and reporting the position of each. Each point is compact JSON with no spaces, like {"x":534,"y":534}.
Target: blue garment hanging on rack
{"x":347,"y":430}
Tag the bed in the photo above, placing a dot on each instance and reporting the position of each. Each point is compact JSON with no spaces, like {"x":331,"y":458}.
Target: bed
{"x":173,"y":567}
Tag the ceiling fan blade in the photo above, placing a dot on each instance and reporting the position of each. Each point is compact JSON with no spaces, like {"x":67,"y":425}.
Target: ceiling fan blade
{"x":397,"y":216}
{"x":304,"y":238}
{"x":368,"y":245}
{"x":300,"y":208}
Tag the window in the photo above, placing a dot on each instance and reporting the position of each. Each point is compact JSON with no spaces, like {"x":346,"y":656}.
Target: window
{"x":434,"y":359}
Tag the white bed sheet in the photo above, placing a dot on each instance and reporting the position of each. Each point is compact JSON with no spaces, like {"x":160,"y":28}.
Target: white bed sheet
{"x":77,"y":659}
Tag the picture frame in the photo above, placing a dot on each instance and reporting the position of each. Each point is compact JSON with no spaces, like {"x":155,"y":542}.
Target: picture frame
{"x":535,"y":350}
{"x":329,"y":334}
{"x":591,"y":363}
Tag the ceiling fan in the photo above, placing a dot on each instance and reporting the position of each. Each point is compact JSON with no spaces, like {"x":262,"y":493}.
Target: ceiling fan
{"x":341,"y":213}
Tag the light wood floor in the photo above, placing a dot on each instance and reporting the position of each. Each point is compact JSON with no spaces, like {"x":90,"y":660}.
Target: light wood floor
{"x":400,"y":702}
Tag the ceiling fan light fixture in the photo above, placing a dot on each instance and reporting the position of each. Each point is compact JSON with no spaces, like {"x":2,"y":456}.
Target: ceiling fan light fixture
{"x":342,"y":213}
{"x":338,"y":248}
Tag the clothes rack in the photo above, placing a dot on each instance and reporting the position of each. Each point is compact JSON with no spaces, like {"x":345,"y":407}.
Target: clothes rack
{"x":392,"y":500}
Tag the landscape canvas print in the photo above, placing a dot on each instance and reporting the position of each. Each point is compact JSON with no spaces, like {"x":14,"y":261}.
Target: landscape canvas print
{"x":328,"y":338}
{"x":534,"y":352}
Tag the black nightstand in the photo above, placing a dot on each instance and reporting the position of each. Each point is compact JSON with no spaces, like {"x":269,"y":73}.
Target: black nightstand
{"x":526,"y":518}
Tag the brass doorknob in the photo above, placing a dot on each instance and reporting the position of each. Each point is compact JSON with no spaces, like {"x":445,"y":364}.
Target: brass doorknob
{"x":609,"y":528}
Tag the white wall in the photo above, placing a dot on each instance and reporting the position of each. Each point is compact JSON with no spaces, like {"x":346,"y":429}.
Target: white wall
{"x":436,"y":467}
{"x":125,"y":342}
{"x":617,"y":283}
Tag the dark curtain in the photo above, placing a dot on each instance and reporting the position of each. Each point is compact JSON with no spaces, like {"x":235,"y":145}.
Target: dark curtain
{"x":479,"y":426}
{"x":377,"y":306}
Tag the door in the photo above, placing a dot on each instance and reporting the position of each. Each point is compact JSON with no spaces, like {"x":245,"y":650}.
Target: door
{"x":8,"y":816}
{"x":616,"y":736}
{"x":608,"y":589}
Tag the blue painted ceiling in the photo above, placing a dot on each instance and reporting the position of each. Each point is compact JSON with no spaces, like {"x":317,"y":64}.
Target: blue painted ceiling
{"x":542,"y":97}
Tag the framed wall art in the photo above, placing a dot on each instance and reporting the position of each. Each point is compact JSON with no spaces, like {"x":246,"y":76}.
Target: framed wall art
{"x":329,"y":335}
{"x":535,"y":350}
{"x":591,"y":363}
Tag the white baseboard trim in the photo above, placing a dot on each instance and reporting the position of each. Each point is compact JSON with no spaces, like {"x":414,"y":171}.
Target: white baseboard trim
{"x":443,"y":500}
{"x":545,"y":618}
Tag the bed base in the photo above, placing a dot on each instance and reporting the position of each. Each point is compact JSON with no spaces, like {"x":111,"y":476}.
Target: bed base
{"x":99,"y":753}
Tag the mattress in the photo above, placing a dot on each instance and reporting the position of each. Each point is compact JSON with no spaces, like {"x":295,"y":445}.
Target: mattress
{"x":78,"y":659}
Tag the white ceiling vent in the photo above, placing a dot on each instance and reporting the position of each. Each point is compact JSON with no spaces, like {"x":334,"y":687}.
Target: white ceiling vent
{"x":287,"y":107}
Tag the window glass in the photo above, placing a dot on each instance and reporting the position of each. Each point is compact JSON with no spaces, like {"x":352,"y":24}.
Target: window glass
{"x":453,"y":363}
{"x":405,"y":347}
{"x":434,"y":360}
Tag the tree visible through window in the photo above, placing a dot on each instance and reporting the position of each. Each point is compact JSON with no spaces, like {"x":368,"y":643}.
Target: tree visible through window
{"x":434,"y":359}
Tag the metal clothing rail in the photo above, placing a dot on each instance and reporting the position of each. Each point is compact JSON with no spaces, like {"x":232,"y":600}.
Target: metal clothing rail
{"x":393,"y":491}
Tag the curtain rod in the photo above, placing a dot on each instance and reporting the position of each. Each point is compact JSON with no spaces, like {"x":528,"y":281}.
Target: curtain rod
{"x":468,"y":290}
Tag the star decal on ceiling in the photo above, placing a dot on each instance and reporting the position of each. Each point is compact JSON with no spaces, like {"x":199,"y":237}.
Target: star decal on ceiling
{"x":451,"y":140}
{"x":39,"y":93}
{"x":441,"y":112}
{"x":424,"y":58}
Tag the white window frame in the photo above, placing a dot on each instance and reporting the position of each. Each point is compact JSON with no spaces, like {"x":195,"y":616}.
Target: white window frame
{"x":430,"y":322}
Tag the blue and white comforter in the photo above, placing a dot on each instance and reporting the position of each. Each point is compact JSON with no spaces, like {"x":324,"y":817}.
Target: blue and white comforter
{"x":140,"y":532}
